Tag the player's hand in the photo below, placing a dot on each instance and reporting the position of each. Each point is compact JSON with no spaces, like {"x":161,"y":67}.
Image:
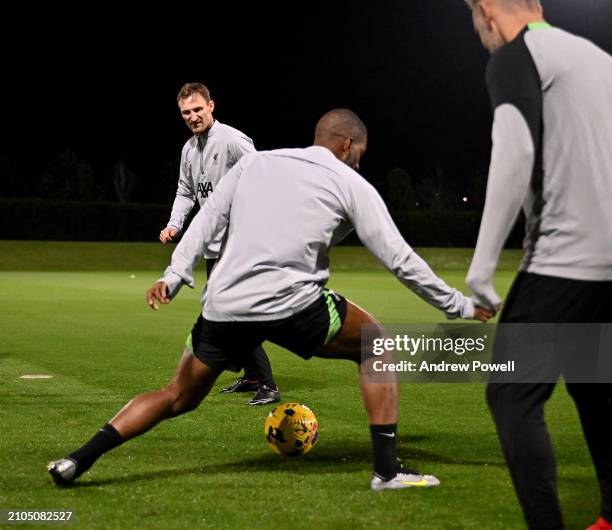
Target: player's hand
{"x":157,"y":293}
{"x":167,"y":234}
{"x":483,"y":314}
{"x":484,"y":294}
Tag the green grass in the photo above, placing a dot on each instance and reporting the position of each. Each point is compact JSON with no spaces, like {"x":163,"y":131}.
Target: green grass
{"x":92,"y":331}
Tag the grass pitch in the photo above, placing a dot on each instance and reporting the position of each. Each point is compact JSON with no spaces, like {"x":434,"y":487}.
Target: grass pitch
{"x":77,"y":312}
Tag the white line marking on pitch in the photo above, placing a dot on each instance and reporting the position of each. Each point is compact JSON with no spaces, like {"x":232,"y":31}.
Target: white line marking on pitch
{"x":36,"y":376}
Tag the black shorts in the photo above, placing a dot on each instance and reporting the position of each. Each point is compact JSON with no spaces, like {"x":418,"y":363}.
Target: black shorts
{"x":564,"y":337}
{"x":538,"y":298}
{"x":227,"y":345}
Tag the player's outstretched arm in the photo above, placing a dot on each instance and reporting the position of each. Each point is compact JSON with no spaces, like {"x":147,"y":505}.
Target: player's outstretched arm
{"x":157,"y":293}
{"x":378,"y":232}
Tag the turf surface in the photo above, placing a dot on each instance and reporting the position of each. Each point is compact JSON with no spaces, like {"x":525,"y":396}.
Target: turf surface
{"x":93,"y":332}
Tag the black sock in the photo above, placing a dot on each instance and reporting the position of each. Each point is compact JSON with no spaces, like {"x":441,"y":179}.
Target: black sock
{"x":104,"y":440}
{"x":386,"y":464}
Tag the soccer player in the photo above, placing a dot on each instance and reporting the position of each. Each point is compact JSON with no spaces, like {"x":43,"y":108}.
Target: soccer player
{"x":211,"y":152}
{"x":284,"y":208}
{"x":551,"y":94}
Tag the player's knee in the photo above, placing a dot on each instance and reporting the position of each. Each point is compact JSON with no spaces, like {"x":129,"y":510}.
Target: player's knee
{"x":182,"y":406}
{"x":511,"y":406}
{"x":181,"y":400}
{"x":502,"y":400}
{"x":373,"y":344}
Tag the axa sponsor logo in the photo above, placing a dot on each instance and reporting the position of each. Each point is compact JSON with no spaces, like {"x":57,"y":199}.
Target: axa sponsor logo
{"x":204,"y":188}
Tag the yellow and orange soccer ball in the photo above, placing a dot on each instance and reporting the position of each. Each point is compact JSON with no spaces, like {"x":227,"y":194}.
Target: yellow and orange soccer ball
{"x":291,"y":429}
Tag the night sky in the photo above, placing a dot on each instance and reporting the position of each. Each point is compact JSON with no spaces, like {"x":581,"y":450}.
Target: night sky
{"x":103,"y":83}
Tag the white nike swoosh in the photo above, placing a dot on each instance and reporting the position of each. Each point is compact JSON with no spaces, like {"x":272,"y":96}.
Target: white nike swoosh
{"x":390,"y":435}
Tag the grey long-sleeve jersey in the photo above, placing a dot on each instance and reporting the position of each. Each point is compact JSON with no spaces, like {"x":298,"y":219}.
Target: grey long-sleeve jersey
{"x":284,"y":209}
{"x":551,"y":94}
{"x":204,"y":160}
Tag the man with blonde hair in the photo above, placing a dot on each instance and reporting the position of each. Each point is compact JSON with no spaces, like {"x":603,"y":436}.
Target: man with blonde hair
{"x":551,"y":94}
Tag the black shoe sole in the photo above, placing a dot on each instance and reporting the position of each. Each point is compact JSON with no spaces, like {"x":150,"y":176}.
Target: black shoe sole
{"x":264,"y":401}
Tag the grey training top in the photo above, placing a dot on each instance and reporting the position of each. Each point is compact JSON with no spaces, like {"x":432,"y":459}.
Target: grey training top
{"x":285,"y":208}
{"x":204,"y":160}
{"x":552,"y":154}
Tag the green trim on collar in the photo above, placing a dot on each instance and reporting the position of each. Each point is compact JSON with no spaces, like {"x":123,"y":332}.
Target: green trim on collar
{"x":539,"y":25}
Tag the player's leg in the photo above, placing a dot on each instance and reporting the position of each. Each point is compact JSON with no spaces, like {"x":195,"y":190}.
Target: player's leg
{"x":257,"y":378}
{"x":259,"y":368}
{"x":594,"y":400}
{"x":518,"y":412}
{"x":191,"y":383}
{"x":594,"y":404}
{"x":331,"y":328}
{"x":380,"y":399}
{"x":518,"y":409}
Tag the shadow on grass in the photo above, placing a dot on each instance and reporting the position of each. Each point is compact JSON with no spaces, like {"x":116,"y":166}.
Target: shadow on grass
{"x":338,"y":459}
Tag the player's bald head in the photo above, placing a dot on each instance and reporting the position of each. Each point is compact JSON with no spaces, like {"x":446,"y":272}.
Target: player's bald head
{"x":344,"y":134}
{"x":340,"y":123}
